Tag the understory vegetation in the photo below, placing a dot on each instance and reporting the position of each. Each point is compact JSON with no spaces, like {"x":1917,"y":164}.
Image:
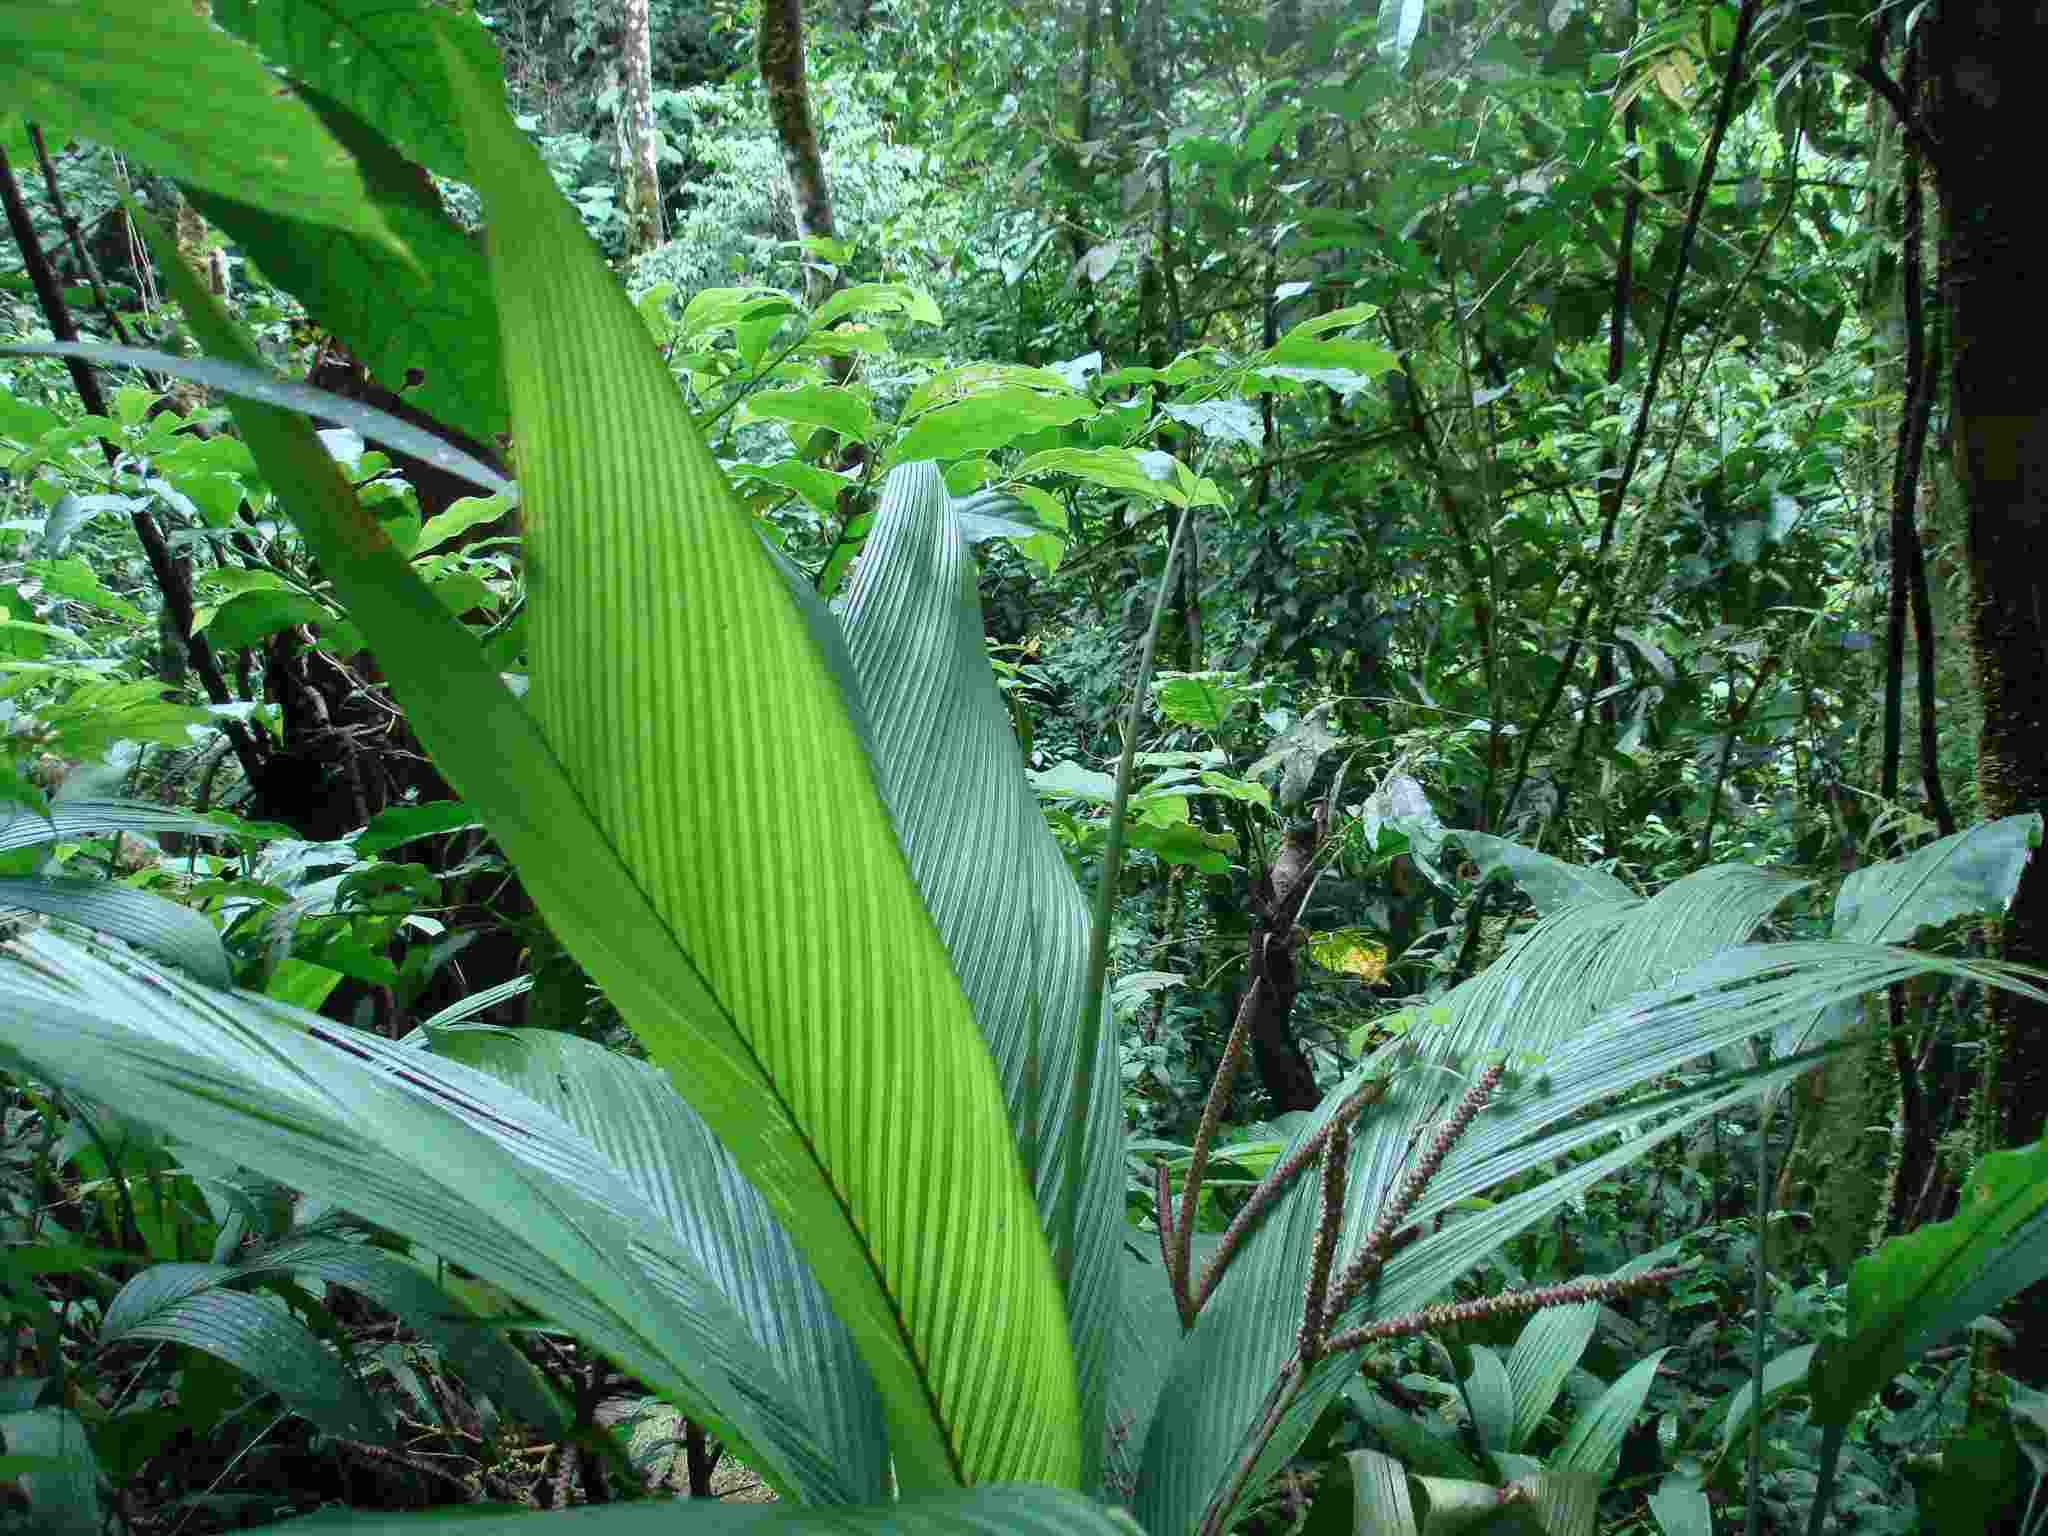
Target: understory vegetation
{"x":1253,"y":767}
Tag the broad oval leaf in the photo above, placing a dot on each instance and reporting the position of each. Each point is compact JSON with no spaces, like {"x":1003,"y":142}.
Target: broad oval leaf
{"x":985,"y":421}
{"x":132,"y":69}
{"x":1918,"y":1289}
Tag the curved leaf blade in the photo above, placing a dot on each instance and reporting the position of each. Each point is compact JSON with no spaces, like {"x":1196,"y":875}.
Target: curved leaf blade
{"x":1593,"y":1444}
{"x":949,"y":769}
{"x":659,"y":628}
{"x":1918,"y":1289}
{"x":480,"y":1354}
{"x":186,"y":1304}
{"x":429,"y":1148}
{"x":131,"y":70}
{"x":1017,"y":1509}
{"x":1549,"y":1345}
{"x":172,"y":933}
{"x":634,"y":1118}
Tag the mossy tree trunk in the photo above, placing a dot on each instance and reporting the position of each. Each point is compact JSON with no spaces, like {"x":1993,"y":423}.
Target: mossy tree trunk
{"x":1983,"y":136}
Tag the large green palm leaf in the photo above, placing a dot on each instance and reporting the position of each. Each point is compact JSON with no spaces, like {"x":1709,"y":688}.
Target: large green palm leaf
{"x":686,"y":698}
{"x":659,"y":1145}
{"x":993,"y":878}
{"x":428,"y":1147}
{"x":1598,"y":999}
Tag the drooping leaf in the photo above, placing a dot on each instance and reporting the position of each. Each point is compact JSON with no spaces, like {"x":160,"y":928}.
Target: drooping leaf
{"x":820,"y":488}
{"x":426,"y":1147}
{"x":68,"y":819}
{"x":187,"y":1304}
{"x":164,"y":928}
{"x":249,"y":380}
{"x":878,"y":298}
{"x":662,"y":1147}
{"x":1919,"y":1289}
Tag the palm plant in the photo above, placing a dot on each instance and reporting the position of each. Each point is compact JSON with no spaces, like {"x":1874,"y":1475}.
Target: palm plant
{"x":861,"y":1212}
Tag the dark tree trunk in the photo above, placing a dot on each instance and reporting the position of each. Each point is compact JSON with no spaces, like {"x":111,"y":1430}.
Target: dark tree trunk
{"x":1983,"y":133}
{"x":779,"y":53}
{"x":1284,"y":1068}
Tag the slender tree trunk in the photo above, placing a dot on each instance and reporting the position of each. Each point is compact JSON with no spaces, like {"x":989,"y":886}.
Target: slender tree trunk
{"x":637,"y":139}
{"x":1078,"y":238}
{"x":779,"y":51}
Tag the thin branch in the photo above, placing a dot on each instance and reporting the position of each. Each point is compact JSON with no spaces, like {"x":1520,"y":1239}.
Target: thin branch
{"x":170,"y":577}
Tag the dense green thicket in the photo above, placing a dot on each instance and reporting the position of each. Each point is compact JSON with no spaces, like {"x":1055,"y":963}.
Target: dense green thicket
{"x":1452,"y":503}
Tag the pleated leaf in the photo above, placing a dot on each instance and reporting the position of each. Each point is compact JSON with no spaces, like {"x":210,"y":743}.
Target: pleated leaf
{"x":430,"y":1148}
{"x":663,"y":1149}
{"x":1005,"y":901}
{"x":1549,"y":1345}
{"x":187,"y":1304}
{"x":21,"y":827}
{"x":1973,"y":871}
{"x":687,"y":798}
{"x":482,"y":1355}
{"x":1490,"y":1399}
{"x":170,"y":932}
{"x":1593,"y":1444}
{"x":688,"y":701}
{"x":1594,"y":1002}
{"x":1016,"y":1509}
